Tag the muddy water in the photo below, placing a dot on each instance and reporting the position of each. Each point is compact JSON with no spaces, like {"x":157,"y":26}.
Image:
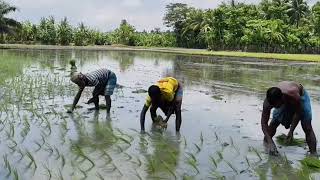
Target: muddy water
{"x":220,"y":135}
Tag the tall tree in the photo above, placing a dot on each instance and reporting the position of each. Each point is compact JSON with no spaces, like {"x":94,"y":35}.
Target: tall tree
{"x":316,"y":18}
{"x":297,"y":9}
{"x":65,"y":32}
{"x":175,"y":17}
{"x":7,"y":25}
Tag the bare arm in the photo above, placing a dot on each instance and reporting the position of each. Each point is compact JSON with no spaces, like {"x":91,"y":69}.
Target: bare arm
{"x":76,"y":98}
{"x":264,"y":121}
{"x":143,"y":117}
{"x":178,"y":115}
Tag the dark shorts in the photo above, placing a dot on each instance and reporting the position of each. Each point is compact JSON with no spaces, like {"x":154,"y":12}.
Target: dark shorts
{"x":284,"y":114}
{"x":111,"y":84}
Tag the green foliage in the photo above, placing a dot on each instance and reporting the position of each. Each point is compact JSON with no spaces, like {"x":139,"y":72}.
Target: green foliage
{"x":281,"y":139}
{"x":7,"y":25}
{"x":125,"y":34}
{"x":277,"y":26}
{"x":81,"y":35}
{"x":65,"y":32}
{"x":311,"y":162}
{"x":47,"y":31}
{"x":28,"y":32}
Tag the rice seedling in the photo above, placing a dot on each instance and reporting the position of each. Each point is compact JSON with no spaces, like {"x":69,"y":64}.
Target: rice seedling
{"x":138,"y":162}
{"x":311,"y":162}
{"x":197,"y":147}
{"x":169,"y":169}
{"x":214,"y":162}
{"x":134,"y":130}
{"x":257,"y":153}
{"x":124,"y":140}
{"x":39,"y":146}
{"x":119,"y":149}
{"x":138,"y":175}
{"x":151,"y":165}
{"x":220,"y":155}
{"x":7,"y":164}
{"x":216,"y":135}
{"x":232,"y":167}
{"x":192,"y":161}
{"x":63,"y":161}
{"x":248,"y":162}
{"x":201,"y":138}
{"x":48,"y":148}
{"x":57,"y":153}
{"x":127,"y":155}
{"x":99,"y":176}
{"x":13,"y":145}
{"x":11,"y":130}
{"x":60,"y":176}
{"x":282,"y":140}
{"x":106,"y":157}
{"x":32,"y":160}
{"x":80,"y":153}
{"x":15,"y":174}
{"x":21,"y":155}
{"x":216,"y":175}
{"x":286,"y":161}
{"x":185,"y":142}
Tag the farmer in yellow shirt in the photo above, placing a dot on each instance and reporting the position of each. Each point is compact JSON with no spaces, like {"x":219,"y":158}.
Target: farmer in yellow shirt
{"x":166,"y":95}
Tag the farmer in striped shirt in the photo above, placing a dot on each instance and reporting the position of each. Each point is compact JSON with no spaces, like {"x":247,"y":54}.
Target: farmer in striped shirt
{"x":104,"y":82}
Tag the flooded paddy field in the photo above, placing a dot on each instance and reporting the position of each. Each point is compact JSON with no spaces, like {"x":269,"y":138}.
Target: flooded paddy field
{"x":220,"y":136}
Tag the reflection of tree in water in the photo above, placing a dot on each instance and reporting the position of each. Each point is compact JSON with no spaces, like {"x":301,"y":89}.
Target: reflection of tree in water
{"x":125,"y":58}
{"x":163,"y":160}
{"x":100,"y":136}
{"x":257,"y":75}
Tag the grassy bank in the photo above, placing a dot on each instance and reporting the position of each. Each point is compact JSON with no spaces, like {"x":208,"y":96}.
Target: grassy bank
{"x":275,"y":56}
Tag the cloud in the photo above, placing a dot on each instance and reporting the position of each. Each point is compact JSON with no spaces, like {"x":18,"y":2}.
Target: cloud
{"x":132,"y":3}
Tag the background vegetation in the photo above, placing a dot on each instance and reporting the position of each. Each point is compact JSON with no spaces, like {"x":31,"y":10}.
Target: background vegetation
{"x":282,"y":26}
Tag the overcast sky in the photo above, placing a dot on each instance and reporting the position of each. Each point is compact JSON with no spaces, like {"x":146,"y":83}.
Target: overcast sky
{"x":105,"y":15}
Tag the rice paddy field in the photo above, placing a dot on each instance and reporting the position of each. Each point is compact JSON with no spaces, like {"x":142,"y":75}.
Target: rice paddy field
{"x":220,"y":137}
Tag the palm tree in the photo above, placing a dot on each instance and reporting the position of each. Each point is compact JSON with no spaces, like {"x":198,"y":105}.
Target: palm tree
{"x":7,"y":25}
{"x":297,"y":9}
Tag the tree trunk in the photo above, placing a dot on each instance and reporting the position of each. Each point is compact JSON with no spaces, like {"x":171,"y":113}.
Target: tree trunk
{"x":2,"y":38}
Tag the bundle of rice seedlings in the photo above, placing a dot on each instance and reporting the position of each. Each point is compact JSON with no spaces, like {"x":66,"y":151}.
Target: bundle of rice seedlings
{"x":282,"y":140}
{"x":311,"y":162}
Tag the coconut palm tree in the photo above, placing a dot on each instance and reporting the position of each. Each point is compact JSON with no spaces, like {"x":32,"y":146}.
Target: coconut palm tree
{"x":7,"y":25}
{"x":297,"y":9}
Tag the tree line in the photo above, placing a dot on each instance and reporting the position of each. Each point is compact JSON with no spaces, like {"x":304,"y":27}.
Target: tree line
{"x":284,"y":26}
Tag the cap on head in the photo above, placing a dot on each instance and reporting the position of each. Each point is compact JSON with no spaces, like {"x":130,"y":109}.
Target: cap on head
{"x":274,"y":95}
{"x":154,"y":91}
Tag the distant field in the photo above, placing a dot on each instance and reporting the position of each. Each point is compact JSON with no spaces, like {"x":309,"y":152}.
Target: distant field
{"x":294,"y":57}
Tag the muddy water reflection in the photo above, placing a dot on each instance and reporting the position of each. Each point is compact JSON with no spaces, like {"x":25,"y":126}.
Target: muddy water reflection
{"x":220,"y":134}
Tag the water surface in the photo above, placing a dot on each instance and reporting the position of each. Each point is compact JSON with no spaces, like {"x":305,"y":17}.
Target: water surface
{"x":220,"y":136}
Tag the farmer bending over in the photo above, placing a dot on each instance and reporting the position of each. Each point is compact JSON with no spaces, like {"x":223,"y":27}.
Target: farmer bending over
{"x":166,"y":95}
{"x":292,"y":104}
{"x":104,"y":82}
